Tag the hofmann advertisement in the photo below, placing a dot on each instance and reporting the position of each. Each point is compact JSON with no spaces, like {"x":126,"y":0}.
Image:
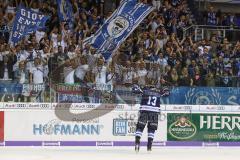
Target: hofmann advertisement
{"x":44,"y":125}
{"x":203,"y":127}
{"x":40,"y":124}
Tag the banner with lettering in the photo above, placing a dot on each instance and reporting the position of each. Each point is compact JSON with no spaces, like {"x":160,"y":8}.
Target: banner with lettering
{"x":203,"y":127}
{"x":10,"y":91}
{"x":77,"y":93}
{"x":26,"y":22}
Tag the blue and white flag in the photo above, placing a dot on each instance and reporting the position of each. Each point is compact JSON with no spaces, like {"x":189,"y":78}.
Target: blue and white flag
{"x":119,"y":26}
{"x":65,"y":11}
{"x":26,"y":22}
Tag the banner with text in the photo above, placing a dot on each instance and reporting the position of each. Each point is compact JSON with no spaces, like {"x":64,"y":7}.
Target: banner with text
{"x":44,"y":125}
{"x":26,"y":22}
{"x":40,"y":126}
{"x":203,"y":127}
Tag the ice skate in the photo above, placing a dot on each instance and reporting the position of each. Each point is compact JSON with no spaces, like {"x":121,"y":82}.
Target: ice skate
{"x":137,"y":144}
{"x":137,"y":147}
{"x":149,"y":145}
{"x":149,"y":149}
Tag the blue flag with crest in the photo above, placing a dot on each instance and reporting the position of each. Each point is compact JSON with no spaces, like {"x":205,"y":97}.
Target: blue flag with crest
{"x":119,"y":26}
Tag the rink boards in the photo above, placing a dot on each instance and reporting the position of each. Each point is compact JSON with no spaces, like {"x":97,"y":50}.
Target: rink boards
{"x":179,"y":125}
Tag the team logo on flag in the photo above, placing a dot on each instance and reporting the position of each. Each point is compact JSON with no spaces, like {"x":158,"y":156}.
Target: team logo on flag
{"x":119,"y":26}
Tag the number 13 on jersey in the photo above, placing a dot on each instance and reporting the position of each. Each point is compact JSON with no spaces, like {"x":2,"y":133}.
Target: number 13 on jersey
{"x":152,"y":101}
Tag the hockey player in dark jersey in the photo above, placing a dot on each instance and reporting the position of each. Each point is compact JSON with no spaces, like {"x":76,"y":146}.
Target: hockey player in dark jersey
{"x":149,"y":111}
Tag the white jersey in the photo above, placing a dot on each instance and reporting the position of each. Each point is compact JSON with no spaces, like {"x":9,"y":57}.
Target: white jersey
{"x":37,"y":74}
{"x":101,"y":75}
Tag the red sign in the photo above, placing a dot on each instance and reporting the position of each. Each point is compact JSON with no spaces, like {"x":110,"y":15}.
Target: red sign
{"x":1,"y":126}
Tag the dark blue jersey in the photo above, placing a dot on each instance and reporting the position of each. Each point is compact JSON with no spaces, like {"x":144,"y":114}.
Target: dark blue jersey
{"x":150,"y":101}
{"x":150,"y":98}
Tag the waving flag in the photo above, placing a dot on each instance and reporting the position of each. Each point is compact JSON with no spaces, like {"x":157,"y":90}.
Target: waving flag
{"x":65,"y":11}
{"x":26,"y":22}
{"x":119,"y":26}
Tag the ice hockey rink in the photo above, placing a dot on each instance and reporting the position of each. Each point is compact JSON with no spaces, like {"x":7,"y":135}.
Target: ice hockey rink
{"x":117,"y":153}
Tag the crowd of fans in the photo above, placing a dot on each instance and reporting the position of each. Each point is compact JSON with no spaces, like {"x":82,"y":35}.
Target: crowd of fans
{"x":156,"y":52}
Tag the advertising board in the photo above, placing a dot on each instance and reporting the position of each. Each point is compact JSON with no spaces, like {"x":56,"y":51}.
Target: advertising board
{"x":203,"y":127}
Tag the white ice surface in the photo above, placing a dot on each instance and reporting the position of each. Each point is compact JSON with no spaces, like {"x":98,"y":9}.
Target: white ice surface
{"x":117,"y":153}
